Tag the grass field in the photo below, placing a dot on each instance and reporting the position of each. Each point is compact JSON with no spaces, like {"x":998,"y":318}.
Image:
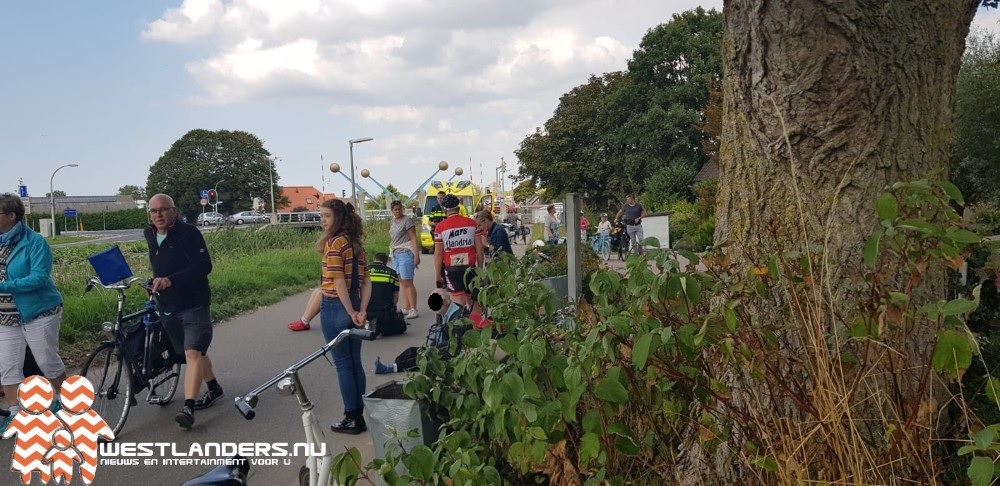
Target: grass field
{"x":251,"y":268}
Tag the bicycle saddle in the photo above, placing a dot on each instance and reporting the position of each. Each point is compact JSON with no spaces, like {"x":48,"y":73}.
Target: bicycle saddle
{"x":232,"y":474}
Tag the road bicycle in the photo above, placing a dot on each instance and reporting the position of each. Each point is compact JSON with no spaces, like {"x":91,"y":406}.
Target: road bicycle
{"x":316,"y":471}
{"x":137,"y":357}
{"x":601,"y":243}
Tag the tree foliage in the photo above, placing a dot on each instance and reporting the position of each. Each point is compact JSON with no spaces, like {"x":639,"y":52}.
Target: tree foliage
{"x":56,"y":193}
{"x":236,"y":161}
{"x":137,"y":193}
{"x":611,"y":136}
{"x":525,"y":190}
{"x":976,"y":153}
{"x":571,"y":153}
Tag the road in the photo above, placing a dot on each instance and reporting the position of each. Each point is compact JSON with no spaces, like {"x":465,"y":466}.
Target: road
{"x":247,"y":351}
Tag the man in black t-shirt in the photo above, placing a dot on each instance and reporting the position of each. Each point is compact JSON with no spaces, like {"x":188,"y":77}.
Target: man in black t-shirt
{"x":633,"y":213}
{"x":382,"y":310}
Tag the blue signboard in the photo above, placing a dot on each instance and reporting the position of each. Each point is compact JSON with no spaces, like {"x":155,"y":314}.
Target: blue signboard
{"x":69,"y":213}
{"x":24,"y":191}
{"x":204,"y":193}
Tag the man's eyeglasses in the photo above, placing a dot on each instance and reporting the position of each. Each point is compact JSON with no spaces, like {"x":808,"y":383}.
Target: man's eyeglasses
{"x":159,"y":210}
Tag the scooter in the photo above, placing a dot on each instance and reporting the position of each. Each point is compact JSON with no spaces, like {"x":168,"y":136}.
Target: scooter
{"x":316,"y":471}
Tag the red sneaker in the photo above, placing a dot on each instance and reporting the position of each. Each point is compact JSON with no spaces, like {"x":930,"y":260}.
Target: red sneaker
{"x":298,"y":326}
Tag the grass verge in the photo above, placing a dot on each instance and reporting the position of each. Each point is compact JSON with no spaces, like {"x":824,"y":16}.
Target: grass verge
{"x":251,"y":269}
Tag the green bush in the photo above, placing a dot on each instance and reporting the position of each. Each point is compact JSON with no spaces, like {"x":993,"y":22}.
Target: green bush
{"x":684,"y":221}
{"x":645,"y":378}
{"x":111,"y":220}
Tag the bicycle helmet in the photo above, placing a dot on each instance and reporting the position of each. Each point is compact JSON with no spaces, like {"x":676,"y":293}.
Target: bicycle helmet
{"x":450,"y":202}
{"x":604,"y":215}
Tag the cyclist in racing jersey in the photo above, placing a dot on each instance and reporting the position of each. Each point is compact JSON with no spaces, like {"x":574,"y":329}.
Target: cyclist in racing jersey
{"x":458,"y":250}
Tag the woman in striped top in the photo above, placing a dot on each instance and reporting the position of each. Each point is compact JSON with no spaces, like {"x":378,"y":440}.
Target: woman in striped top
{"x":346,"y":290}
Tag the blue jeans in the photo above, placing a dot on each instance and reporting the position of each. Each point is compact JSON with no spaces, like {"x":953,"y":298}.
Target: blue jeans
{"x":347,"y":356}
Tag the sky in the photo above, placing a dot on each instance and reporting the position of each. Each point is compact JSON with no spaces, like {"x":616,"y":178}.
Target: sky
{"x":110,"y":85}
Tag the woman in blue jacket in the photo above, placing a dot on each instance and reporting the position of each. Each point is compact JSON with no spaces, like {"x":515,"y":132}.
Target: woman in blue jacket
{"x":30,"y":305}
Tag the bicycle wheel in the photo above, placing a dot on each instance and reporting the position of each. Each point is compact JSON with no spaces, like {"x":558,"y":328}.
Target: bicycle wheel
{"x":605,"y":251}
{"x":165,"y":384}
{"x":112,"y":382}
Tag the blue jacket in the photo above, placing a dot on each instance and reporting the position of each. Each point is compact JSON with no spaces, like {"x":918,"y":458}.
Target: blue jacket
{"x":29,"y":277}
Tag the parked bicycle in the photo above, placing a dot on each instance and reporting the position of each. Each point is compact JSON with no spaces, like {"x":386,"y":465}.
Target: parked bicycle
{"x":316,"y":471}
{"x":601,"y":243}
{"x":137,"y":357}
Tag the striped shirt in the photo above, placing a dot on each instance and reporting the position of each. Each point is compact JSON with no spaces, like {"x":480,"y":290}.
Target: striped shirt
{"x":338,"y":260}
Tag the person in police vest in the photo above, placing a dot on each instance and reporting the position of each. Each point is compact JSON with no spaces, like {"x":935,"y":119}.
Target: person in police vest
{"x":437,"y":213}
{"x":382,"y":312}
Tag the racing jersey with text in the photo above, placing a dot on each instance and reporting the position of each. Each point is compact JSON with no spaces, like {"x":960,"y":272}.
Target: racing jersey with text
{"x":458,"y":236}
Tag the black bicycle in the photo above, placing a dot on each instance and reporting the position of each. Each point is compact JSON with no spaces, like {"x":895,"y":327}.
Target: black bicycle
{"x":620,"y":240}
{"x":137,"y":357}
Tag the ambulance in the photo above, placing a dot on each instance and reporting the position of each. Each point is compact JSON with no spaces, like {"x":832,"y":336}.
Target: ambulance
{"x":470,"y":195}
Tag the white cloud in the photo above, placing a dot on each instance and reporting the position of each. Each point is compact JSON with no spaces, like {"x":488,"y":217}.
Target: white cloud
{"x":193,"y":19}
{"x":429,"y":80}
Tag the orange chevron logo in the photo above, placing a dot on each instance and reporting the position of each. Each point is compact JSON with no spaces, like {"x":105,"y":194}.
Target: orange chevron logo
{"x":50,"y":444}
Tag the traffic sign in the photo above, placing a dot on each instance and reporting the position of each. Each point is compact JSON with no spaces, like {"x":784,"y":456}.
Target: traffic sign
{"x":69,"y":213}
{"x":27,"y":204}
{"x":203,"y":195}
{"x":24,"y":190}
{"x":204,"y":201}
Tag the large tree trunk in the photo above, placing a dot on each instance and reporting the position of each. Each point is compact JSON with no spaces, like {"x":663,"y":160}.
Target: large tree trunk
{"x":825,"y":103}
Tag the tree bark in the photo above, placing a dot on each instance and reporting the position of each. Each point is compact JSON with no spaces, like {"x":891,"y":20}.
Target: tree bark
{"x":824,"y":104}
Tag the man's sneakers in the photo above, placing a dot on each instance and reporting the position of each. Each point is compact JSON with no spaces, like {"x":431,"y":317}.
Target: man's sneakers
{"x":298,"y":325}
{"x":185,"y":418}
{"x":412,"y":314}
{"x":209,"y":398}
{"x":5,"y":422}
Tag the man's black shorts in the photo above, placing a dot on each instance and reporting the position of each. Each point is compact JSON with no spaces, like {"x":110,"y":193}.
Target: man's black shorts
{"x":189,"y":329}
{"x":459,"y":279}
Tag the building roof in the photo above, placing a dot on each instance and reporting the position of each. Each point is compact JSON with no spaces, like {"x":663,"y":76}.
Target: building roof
{"x":303,"y":197}
{"x":81,"y":199}
{"x":708,"y":171}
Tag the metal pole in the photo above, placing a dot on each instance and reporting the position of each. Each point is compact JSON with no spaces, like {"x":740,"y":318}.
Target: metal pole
{"x":215,"y":207}
{"x":270,"y":174}
{"x":52,"y":198}
{"x":574,"y":273}
{"x":354,"y":192}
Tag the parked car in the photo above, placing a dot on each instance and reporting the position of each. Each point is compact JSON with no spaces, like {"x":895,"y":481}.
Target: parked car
{"x":211,"y":217}
{"x":248,"y":217}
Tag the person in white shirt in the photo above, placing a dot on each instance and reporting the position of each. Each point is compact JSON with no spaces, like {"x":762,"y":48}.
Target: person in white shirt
{"x":604,"y":227}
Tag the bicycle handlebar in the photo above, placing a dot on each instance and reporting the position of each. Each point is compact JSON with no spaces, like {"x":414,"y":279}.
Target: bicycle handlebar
{"x":121,"y":286}
{"x":245,"y":404}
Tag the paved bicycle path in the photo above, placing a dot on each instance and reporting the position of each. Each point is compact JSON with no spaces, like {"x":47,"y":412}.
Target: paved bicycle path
{"x":247,"y":351}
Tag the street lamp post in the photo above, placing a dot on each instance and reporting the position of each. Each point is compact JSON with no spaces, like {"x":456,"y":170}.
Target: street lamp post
{"x":52,"y":198}
{"x":351,"y":142}
{"x":215,"y":207}
{"x":270,"y":175}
